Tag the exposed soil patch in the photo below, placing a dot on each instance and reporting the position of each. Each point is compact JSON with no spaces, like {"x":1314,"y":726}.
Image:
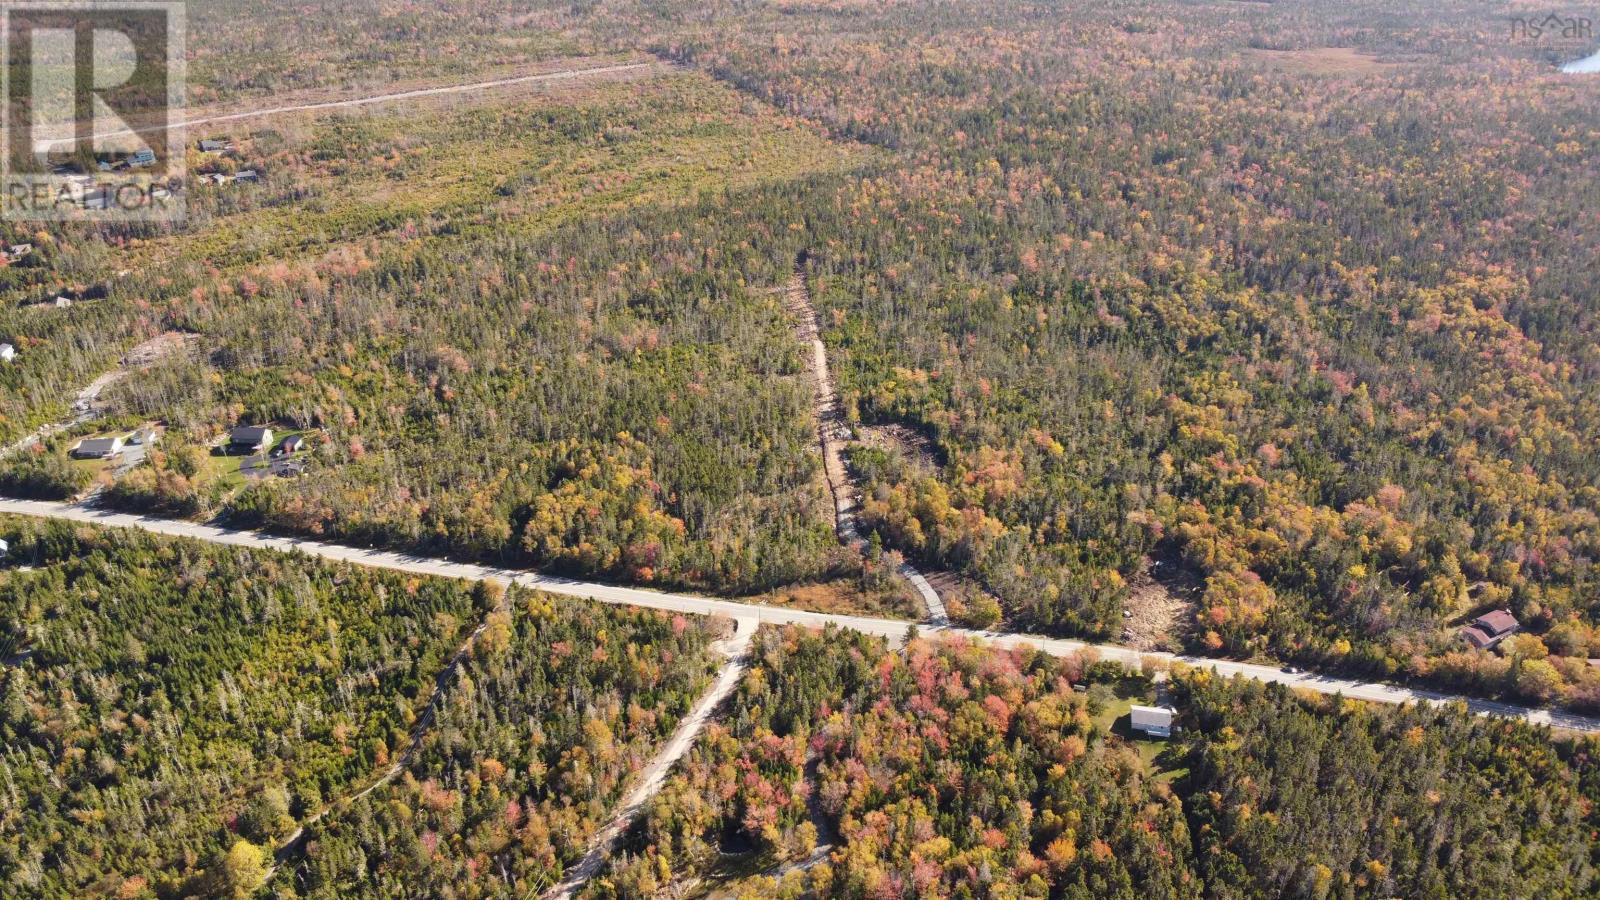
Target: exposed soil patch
{"x":957,"y":587}
{"x":160,"y":347}
{"x":913,"y":446}
{"x":1162,"y":599}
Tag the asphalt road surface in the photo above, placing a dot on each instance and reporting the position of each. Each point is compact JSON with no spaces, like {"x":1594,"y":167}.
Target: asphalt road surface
{"x":690,"y":603}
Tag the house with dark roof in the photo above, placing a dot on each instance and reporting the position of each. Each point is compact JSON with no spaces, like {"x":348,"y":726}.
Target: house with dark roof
{"x":249,"y":439}
{"x":97,"y":448}
{"x":1488,"y":630}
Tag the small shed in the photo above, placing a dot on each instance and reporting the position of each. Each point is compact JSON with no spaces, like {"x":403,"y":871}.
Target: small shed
{"x":294,"y":443}
{"x":1155,"y":721}
{"x":211,"y":146}
{"x":7,"y":353}
{"x":97,"y":448}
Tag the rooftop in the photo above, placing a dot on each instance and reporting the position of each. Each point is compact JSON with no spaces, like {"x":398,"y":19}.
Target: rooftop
{"x":1158,"y":716}
{"x":1497,"y":623}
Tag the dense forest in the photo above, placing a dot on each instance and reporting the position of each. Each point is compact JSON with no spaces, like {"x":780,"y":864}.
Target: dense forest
{"x":1279,"y":314}
{"x":1160,"y":290}
{"x":163,"y":700}
{"x":172,"y":711}
{"x":528,"y":754}
{"x":958,"y":770}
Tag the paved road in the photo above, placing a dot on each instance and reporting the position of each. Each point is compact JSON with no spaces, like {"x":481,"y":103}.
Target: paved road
{"x":690,"y":603}
{"x":564,"y":75}
{"x":654,"y":776}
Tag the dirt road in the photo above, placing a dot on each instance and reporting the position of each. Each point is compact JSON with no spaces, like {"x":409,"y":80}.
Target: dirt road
{"x":832,"y":432}
{"x":420,"y":93}
{"x":654,"y":775}
{"x":893,"y":629}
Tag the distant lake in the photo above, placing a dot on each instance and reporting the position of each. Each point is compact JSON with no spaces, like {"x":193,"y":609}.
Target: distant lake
{"x":1587,"y":66}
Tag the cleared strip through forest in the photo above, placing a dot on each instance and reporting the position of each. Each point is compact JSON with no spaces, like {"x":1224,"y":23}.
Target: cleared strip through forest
{"x":442,"y":90}
{"x":831,"y":431}
{"x":1375,"y":692}
{"x":654,"y":776}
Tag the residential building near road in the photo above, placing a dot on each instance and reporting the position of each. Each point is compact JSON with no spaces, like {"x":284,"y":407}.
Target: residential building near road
{"x":1155,"y":721}
{"x":249,"y":439}
{"x":1488,"y":630}
{"x":97,"y":448}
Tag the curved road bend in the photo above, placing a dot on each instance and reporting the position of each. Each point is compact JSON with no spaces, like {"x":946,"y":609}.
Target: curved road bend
{"x":690,"y":603}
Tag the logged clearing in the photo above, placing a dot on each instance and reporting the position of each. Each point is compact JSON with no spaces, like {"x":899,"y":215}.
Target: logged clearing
{"x":1324,"y":61}
{"x":845,"y":597}
{"x":1161,"y":605}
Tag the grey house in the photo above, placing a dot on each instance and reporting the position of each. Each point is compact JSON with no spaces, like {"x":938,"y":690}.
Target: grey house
{"x":97,"y":448}
{"x":249,"y":439}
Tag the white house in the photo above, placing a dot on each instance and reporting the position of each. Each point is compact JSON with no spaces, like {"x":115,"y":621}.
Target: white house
{"x":1155,"y":721}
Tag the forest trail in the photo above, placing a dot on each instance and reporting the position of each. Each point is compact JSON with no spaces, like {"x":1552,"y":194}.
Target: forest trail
{"x":891,"y":629}
{"x":653,"y":776}
{"x":832,"y":432}
{"x":441,"y":683}
{"x":827,"y":838}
